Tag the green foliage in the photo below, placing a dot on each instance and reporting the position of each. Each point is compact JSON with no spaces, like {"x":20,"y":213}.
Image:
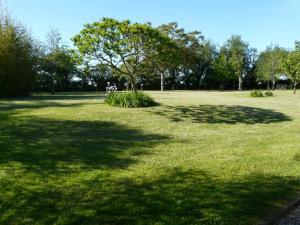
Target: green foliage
{"x":120,"y":51}
{"x":269,"y":94}
{"x":16,"y":58}
{"x":222,"y":69}
{"x":256,"y":93}
{"x":129,"y":99}
{"x":192,"y":58}
{"x":56,"y":70}
{"x":189,"y":45}
{"x":268,"y":64}
{"x":56,"y":65}
{"x":238,"y":54}
{"x":123,"y":46}
{"x":291,"y":67}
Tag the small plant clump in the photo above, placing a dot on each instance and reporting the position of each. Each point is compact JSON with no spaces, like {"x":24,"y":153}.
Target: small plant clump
{"x":269,"y":94}
{"x":129,"y":99}
{"x":256,"y":93}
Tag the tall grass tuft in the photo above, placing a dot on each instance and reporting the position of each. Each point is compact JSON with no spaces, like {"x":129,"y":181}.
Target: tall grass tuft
{"x":130,"y":99}
{"x":256,"y":93}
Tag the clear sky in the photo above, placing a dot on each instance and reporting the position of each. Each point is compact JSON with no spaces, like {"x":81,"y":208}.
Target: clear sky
{"x":260,"y":22}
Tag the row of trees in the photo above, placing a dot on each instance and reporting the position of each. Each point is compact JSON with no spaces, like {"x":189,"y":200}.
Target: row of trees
{"x":142,"y":53}
{"x":138,"y":55}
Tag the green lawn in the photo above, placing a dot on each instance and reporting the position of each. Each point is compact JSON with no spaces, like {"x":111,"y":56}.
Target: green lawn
{"x":198,"y":158}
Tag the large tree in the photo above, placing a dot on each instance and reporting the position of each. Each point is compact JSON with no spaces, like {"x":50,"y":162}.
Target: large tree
{"x":291,"y":67}
{"x":237,"y":53}
{"x":191,"y":54}
{"x":121,"y":45}
{"x":203,"y":60}
{"x":268,"y":65}
{"x":56,"y":67}
{"x":221,"y":72}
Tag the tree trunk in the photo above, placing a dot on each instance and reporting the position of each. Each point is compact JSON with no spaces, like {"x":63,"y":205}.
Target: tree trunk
{"x":222,"y":86}
{"x":198,"y":79}
{"x":52,"y":89}
{"x":273,"y":83}
{"x":134,"y":87}
{"x":268,"y":86}
{"x":98,"y":86}
{"x":162,"y":81}
{"x":173,"y":78}
{"x":295,"y":87}
{"x":52,"y":86}
{"x":240,"y":83}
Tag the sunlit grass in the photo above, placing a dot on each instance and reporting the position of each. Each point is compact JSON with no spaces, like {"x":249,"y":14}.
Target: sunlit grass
{"x":197,"y":158}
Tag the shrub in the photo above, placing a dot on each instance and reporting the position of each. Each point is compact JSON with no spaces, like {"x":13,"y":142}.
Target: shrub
{"x":269,"y":93}
{"x":16,"y":58}
{"x":256,"y":93}
{"x":129,"y":99}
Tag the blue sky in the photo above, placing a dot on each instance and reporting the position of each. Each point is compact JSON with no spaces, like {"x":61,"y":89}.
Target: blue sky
{"x":260,"y":22}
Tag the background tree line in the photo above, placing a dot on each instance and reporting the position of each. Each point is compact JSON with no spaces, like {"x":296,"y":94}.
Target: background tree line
{"x":137,"y":56}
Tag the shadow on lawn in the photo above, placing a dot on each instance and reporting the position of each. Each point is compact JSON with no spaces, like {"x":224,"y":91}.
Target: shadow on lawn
{"x":12,"y":107}
{"x":66,"y":97}
{"x":44,"y":101}
{"x":61,"y":96}
{"x":44,"y":163}
{"x":222,"y":114}
{"x":41,"y":144}
{"x":297,"y":157}
{"x":177,"y":197}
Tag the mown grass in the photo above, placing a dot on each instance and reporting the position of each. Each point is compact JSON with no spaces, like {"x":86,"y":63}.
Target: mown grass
{"x":197,"y":158}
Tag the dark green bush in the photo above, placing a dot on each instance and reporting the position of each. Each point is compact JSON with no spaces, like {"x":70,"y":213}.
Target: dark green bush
{"x":16,"y":59}
{"x":129,"y":99}
{"x":269,"y":93}
{"x":256,"y":93}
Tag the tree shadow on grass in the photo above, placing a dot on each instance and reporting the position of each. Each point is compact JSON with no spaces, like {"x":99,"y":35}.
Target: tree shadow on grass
{"x":61,"y":96}
{"x":66,"y":97}
{"x":8,"y":109}
{"x":49,"y":146}
{"x":222,"y":114}
{"x":196,"y":197}
{"x":12,"y":107}
{"x":178,"y":197}
{"x":43,"y":101}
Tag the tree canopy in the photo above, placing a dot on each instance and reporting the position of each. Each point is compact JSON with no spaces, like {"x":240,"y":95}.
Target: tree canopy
{"x":17,"y":55}
{"x":269,"y":64}
{"x":56,"y":64}
{"x":237,"y":52}
{"x":291,"y":67}
{"x":121,"y":45}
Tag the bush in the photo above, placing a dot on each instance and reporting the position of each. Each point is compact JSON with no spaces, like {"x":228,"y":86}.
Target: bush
{"x":269,"y":93}
{"x":256,"y":93}
{"x":129,"y":99}
{"x":16,"y":59}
